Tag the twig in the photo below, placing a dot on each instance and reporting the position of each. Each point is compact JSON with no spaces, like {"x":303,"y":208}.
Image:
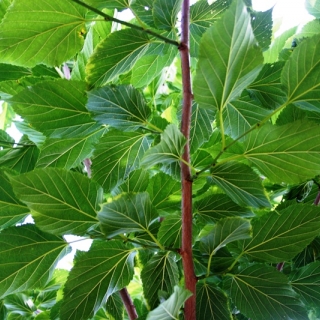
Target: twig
{"x":126,"y":299}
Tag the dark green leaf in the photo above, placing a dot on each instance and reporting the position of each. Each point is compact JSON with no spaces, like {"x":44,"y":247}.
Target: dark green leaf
{"x":32,"y":256}
{"x":105,"y":269}
{"x":115,"y":307}
{"x":28,"y":39}
{"x":159,"y":275}
{"x":62,"y":202}
{"x":10,"y":72}
{"x":165,"y":13}
{"x":270,"y":296}
{"x":279,"y":236}
{"x":237,"y":59}
{"x":245,"y":192}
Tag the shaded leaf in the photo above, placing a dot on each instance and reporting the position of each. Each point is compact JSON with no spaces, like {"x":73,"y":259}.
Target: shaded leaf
{"x":165,"y":13}
{"x":144,"y":10}
{"x":62,"y":202}
{"x":115,"y":307}
{"x":10,"y":72}
{"x":105,"y":269}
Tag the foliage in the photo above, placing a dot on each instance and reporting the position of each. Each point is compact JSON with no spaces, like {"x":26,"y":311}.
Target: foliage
{"x":101,"y":151}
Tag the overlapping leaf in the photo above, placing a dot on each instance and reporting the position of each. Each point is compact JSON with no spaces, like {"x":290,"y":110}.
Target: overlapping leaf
{"x":105,"y":269}
{"x":116,"y":55}
{"x":117,"y":154}
{"x":10,"y":72}
{"x":165,"y":13}
{"x":28,"y":37}
{"x":245,"y":192}
{"x":288,"y":153}
{"x":131,"y":212}
{"x":122,"y":107}
{"x":62,"y":202}
{"x":262,"y":292}
{"x":280,"y":236}
{"x":229,"y":59}
{"x":159,"y":275}
{"x":28,"y":258}
{"x":114,"y":307}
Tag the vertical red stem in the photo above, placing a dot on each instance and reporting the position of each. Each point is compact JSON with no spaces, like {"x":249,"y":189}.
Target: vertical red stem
{"x":126,"y":299}
{"x":186,"y":181}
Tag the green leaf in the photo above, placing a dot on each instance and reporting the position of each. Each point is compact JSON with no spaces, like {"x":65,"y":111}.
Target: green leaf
{"x":10,"y":72}
{"x":67,"y":153}
{"x":56,"y":107}
{"x":169,"y":150}
{"x":115,"y":307}
{"x":130,"y":213}
{"x":109,"y":4}
{"x":143,"y":9}
{"x":4,"y":5}
{"x":237,"y":59}
{"x":313,"y":7}
{"x":117,"y":154}
{"x":28,"y":258}
{"x":212,"y":303}
{"x":105,"y":269}
{"x":306,"y":282}
{"x":116,"y":55}
{"x":217,"y":206}
{"x":169,"y":309}
{"x":310,"y":29}
{"x":122,"y":107}
{"x":301,"y":76}
{"x":269,"y":294}
{"x":165,"y":13}
{"x":29,"y":38}
{"x":62,"y":202}
{"x":12,"y":210}
{"x":159,"y":275}
{"x":202,"y":16}
{"x":288,"y":153}
{"x":244,"y":192}
{"x":280,"y":236}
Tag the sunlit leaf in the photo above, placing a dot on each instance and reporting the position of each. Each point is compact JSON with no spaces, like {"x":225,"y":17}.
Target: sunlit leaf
{"x":313,"y":7}
{"x":109,"y":4}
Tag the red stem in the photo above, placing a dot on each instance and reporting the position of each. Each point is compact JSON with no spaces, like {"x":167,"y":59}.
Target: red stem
{"x":126,"y":299}
{"x":317,"y":199}
{"x":186,"y":181}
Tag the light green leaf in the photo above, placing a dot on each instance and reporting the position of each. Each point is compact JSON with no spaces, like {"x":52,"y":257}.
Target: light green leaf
{"x":130,"y":213}
{"x":109,"y":4}
{"x":229,"y":59}
{"x":122,"y":107}
{"x":143,"y":9}
{"x":105,"y":269}
{"x":169,"y":309}
{"x":301,"y":73}
{"x":116,"y":55}
{"x":212,"y":303}
{"x":202,"y":16}
{"x":169,"y":233}
{"x":62,"y":202}
{"x":28,"y":39}
{"x":33,"y":135}
{"x":165,"y":13}
{"x":159,"y":275}
{"x":280,"y":236}
{"x":28,"y":258}
{"x":306,"y":282}
{"x":4,"y":4}
{"x":117,"y":154}
{"x":56,"y":107}
{"x":12,"y":210}
{"x":169,"y":150}
{"x":262,"y":292}
{"x":309,"y":29}
{"x":313,"y":7}
{"x":240,"y":183}
{"x":67,"y":153}
{"x":288,"y":153}
{"x":217,"y":206}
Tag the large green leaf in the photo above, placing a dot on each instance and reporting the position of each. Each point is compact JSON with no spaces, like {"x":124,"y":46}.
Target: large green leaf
{"x":262,"y":27}
{"x":56,"y":107}
{"x":212,"y":302}
{"x":313,"y":7}
{"x":117,"y":154}
{"x":105,"y":269}
{"x":122,"y":107}
{"x":262,"y":292}
{"x":116,"y":55}
{"x":165,"y":13}
{"x":229,"y":59}
{"x":306,"y":281}
{"x":49,"y":32}
{"x":130,"y":213}
{"x":169,"y":150}
{"x":240,"y":183}
{"x":301,"y":73}
{"x":12,"y":210}
{"x":62,"y":202}
{"x":288,"y":153}
{"x":280,"y":236}
{"x":28,"y":258}
{"x":216,"y":206}
{"x":159,"y":276}
{"x":170,"y":308}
